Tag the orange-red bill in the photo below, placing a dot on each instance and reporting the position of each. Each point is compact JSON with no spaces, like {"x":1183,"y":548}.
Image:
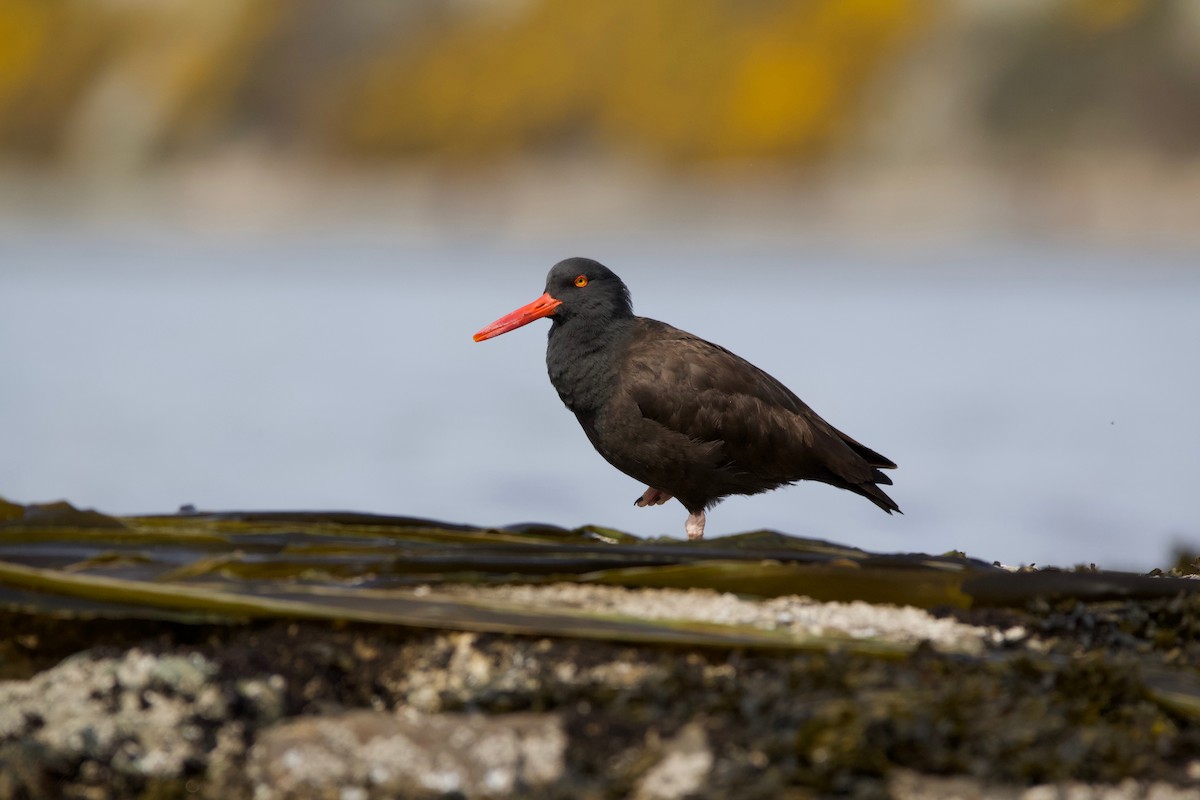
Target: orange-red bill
{"x":542,"y":307}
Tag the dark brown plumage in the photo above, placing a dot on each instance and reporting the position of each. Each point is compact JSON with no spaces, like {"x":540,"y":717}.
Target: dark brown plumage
{"x":685,"y":416}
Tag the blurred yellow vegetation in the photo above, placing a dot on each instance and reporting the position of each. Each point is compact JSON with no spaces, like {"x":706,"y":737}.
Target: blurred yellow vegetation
{"x":24,"y":26}
{"x":1097,"y":16}
{"x":678,"y":79}
{"x":798,"y":81}
{"x":674,"y":79}
{"x":126,"y":83}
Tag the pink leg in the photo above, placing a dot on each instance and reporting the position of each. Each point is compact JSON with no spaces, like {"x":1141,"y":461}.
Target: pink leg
{"x":695,"y":525}
{"x":652,"y":497}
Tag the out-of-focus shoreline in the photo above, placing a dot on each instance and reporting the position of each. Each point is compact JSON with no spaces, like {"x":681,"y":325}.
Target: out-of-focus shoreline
{"x":1095,"y":199}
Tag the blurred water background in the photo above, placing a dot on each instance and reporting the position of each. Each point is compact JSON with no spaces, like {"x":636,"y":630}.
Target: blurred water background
{"x":243,"y":247}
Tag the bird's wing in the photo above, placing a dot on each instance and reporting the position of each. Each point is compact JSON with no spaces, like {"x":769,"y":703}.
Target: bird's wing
{"x":703,"y":391}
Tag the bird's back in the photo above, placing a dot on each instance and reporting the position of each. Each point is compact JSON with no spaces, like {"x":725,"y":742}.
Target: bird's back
{"x":757,"y":433}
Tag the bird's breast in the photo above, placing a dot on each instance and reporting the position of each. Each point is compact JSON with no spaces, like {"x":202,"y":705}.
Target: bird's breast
{"x":584,"y":366}
{"x":583,"y":385}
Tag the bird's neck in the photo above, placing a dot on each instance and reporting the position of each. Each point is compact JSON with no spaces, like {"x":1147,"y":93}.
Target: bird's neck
{"x":583,"y":359}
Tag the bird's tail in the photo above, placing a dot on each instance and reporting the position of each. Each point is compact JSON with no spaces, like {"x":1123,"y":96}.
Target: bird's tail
{"x":871,"y":457}
{"x":877,"y":495}
{"x":868,"y":489}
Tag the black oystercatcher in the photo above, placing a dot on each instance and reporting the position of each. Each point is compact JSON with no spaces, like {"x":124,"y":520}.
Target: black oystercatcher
{"x":682,"y":415}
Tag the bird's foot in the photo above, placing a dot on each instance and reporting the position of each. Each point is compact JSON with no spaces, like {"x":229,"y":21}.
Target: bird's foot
{"x":652,"y":497}
{"x":695,"y":525}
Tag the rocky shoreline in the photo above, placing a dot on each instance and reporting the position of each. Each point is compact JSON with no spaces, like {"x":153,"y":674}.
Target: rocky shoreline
{"x":573,"y":664}
{"x":1073,"y":699}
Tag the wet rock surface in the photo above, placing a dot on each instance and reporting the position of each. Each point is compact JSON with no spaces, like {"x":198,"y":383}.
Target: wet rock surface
{"x":1079,"y":700}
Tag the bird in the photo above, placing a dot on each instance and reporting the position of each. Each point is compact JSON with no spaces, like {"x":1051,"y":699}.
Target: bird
{"x":684,"y":416}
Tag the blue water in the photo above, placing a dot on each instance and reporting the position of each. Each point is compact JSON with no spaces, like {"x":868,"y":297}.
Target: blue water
{"x":1040,"y":400}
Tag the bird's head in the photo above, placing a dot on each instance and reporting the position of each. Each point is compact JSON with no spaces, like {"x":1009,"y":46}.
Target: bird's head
{"x":575,"y":288}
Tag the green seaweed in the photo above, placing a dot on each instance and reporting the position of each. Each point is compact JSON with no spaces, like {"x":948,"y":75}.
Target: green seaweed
{"x":360,"y":567}
{"x":427,"y":611}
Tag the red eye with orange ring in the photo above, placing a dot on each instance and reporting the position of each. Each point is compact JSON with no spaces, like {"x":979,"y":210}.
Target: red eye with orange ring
{"x":581,"y":281}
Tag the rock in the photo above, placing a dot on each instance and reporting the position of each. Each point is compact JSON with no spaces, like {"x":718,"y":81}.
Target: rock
{"x":373,"y":753}
{"x":134,"y":712}
{"x":125,"y":721}
{"x":686,"y":762}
